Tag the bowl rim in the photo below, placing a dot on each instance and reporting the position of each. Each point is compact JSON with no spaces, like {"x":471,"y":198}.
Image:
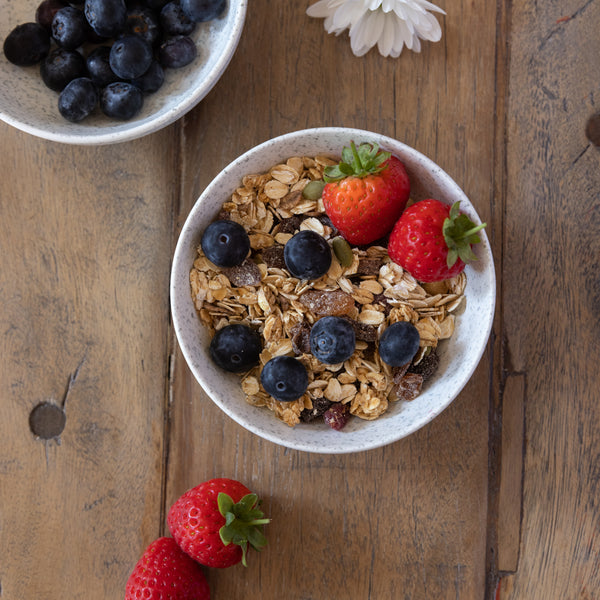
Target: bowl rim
{"x":148,"y":125}
{"x":188,"y":230}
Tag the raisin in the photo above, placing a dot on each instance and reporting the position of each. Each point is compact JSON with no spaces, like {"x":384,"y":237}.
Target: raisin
{"x":399,"y":372}
{"x":273,"y":257}
{"x":300,"y":334}
{"x":369,"y":266}
{"x":337,"y":415}
{"x":383,"y":301}
{"x":288,"y":225}
{"x":409,"y":387}
{"x":319,"y":407}
{"x":364,"y":331}
{"x":428,"y":365}
{"x":245,"y":274}
{"x":325,"y":303}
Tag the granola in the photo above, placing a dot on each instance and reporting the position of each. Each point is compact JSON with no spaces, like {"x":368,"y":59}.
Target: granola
{"x":365,"y":287}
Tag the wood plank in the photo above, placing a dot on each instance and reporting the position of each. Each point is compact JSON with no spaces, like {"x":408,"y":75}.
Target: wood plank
{"x":551,"y":293}
{"x":511,"y":476}
{"x":86,"y":241}
{"x":404,"y":521}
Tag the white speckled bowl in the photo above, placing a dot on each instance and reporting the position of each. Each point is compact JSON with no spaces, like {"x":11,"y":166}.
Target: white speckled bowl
{"x":27,"y":104}
{"x":459,"y":355}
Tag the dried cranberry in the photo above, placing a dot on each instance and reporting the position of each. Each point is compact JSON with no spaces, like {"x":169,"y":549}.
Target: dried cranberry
{"x":337,"y":415}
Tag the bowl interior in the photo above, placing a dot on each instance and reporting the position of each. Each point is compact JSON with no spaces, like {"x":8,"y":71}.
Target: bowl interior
{"x":459,"y":355}
{"x":26,"y":103}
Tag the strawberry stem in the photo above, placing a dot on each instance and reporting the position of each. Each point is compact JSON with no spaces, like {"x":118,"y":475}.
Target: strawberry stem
{"x":243,"y":522}
{"x":365,"y":160}
{"x":460,"y":234}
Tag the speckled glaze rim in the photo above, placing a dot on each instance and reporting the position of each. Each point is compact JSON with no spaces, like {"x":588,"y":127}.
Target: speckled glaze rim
{"x":388,"y":428}
{"x":154,"y":122}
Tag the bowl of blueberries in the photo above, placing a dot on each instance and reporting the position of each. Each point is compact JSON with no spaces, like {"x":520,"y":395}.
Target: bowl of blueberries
{"x":107,"y":71}
{"x":301,"y":331}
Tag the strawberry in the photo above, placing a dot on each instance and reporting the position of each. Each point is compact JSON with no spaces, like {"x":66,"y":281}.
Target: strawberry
{"x":432,"y":240}
{"x":166,"y":572}
{"x":215,"y":521}
{"x":365,"y":193}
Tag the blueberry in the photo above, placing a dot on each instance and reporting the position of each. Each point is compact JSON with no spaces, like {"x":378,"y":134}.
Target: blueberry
{"x":332,"y":340}
{"x":307,"y":255}
{"x":130,"y":57}
{"x":78,"y":99}
{"x":236,"y":348}
{"x":177,"y":51}
{"x":121,"y":100}
{"x":69,"y":28}
{"x":152,"y":80}
{"x":285,"y":378}
{"x":98,"y":66}
{"x":399,"y":343}
{"x":106,"y":17}
{"x":46,"y":10}
{"x":174,"y":21}
{"x":225,"y":243}
{"x":27,"y":44}
{"x":203,"y":10}
{"x":60,"y":67}
{"x":143,"y":22}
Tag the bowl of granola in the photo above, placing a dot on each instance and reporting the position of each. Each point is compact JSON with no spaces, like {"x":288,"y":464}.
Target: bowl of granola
{"x":248,"y":332}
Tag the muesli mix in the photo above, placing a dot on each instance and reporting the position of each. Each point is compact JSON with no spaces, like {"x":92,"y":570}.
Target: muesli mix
{"x":362,"y":285}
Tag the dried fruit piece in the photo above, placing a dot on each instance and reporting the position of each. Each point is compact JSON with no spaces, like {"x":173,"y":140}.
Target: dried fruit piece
{"x":273,"y":257}
{"x":247,"y":273}
{"x":300,"y":334}
{"x":323,"y":302}
{"x":337,"y":415}
{"x":369,"y":266}
{"x":364,"y":331}
{"x":320,"y":406}
{"x":428,"y":365}
{"x":409,"y":387}
{"x":289,"y":225}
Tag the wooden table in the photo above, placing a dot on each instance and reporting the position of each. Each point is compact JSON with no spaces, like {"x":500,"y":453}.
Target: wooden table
{"x":497,"y":497}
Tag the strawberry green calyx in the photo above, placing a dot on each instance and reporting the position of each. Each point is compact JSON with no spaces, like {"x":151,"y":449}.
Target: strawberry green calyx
{"x":365,"y":160}
{"x":460,"y":233}
{"x":243,"y":523}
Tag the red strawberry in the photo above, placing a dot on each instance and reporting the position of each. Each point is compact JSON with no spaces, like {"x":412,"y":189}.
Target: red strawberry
{"x":166,"y":572}
{"x":365,"y":193}
{"x":433,"y":241}
{"x":215,"y":521}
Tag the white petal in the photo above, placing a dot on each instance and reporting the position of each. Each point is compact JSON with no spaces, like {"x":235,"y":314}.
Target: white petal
{"x":360,"y":35}
{"x":369,"y":28}
{"x":348,"y":14}
{"x":386,"y":40}
{"x":433,"y":32}
{"x":372,"y":4}
{"x":320,"y":9}
{"x":429,"y":6}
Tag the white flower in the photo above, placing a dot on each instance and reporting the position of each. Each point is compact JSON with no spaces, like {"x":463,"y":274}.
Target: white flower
{"x":391,"y":24}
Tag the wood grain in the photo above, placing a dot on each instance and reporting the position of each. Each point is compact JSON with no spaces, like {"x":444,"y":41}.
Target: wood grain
{"x":552,"y":293}
{"x":86,"y":237}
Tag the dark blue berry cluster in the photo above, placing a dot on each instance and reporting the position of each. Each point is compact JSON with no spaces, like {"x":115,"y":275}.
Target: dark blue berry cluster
{"x":108,"y":53}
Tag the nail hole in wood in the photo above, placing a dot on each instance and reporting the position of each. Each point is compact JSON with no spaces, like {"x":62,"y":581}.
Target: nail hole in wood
{"x":47,"y":420}
{"x":592,"y":129}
